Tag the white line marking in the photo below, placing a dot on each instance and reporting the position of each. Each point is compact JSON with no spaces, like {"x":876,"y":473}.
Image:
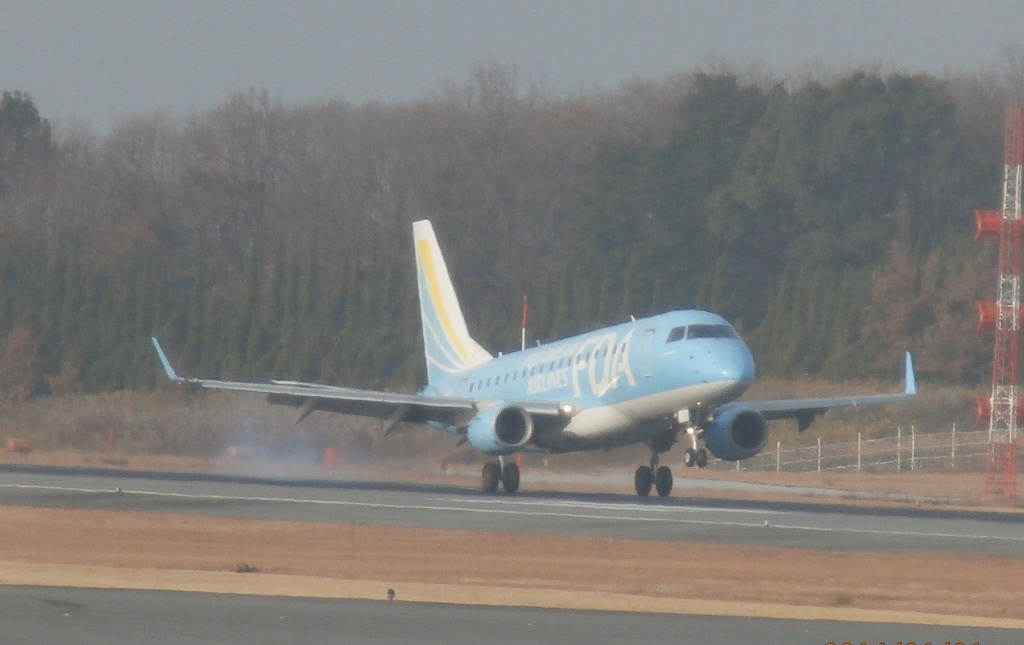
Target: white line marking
{"x":615,"y":507}
{"x":496,"y":511}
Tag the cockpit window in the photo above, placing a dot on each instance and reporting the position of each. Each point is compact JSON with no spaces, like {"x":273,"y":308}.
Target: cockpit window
{"x":678,"y":333}
{"x":710,"y":331}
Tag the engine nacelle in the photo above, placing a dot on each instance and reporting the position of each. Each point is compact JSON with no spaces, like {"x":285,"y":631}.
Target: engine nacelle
{"x":735,"y":434}
{"x":500,"y":429}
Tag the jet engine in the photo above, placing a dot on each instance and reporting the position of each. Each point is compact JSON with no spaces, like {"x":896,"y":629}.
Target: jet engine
{"x":736,"y":433}
{"x":500,"y":429}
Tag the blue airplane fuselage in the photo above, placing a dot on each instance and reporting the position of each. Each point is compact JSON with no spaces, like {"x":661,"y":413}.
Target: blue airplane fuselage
{"x":626,"y":380}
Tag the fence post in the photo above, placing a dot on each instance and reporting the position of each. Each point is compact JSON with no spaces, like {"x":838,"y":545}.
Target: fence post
{"x":913,"y":446}
{"x":858,"y":452}
{"x":819,"y":454}
{"x":899,"y":449}
{"x":778,"y":456}
{"x":952,"y":454}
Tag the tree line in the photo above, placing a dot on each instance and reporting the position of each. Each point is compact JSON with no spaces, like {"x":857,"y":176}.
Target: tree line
{"x":829,"y":218}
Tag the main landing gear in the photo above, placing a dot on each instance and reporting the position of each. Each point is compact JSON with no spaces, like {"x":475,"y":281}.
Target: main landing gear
{"x":654,"y":475}
{"x":507,"y":473}
{"x":660,"y":477}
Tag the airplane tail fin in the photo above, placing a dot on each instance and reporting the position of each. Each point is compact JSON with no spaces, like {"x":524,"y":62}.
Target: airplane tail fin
{"x":449,"y":348}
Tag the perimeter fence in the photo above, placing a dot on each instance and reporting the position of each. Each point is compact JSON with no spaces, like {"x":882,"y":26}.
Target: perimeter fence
{"x":906,"y":450}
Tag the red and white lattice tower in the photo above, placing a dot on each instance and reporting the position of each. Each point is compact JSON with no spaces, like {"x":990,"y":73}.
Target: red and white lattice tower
{"x":1002,"y":318}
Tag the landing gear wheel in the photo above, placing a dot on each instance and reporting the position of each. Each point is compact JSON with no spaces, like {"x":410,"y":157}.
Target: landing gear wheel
{"x":643,"y":480}
{"x":510,"y":478}
{"x":663,"y":480}
{"x":690,"y":457}
{"x":702,"y":458}
{"x":491,"y":476}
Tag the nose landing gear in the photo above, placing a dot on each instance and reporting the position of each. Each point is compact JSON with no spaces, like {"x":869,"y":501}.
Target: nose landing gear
{"x":695,"y":457}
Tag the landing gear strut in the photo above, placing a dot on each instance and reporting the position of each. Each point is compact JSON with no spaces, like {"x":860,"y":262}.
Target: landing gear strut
{"x":505,"y":473}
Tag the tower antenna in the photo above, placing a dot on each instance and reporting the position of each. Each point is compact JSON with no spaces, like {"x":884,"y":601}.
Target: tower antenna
{"x":1002,"y":318}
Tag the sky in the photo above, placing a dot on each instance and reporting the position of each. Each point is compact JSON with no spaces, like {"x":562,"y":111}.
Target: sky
{"x":95,"y":63}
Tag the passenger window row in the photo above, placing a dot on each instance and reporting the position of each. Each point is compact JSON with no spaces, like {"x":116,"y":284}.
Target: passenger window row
{"x":541,"y":369}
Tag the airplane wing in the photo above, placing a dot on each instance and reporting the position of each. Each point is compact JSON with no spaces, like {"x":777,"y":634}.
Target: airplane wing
{"x":805,"y":410}
{"x":393,"y":407}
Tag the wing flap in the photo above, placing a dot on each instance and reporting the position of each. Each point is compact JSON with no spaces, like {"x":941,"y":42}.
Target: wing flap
{"x":368,"y":403}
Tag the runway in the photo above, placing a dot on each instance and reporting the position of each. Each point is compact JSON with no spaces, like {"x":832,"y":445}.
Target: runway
{"x":55,"y":614}
{"x":814,"y":526}
{"x":35,"y":615}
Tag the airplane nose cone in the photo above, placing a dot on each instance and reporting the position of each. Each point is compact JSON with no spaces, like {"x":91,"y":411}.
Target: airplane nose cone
{"x":731,"y":368}
{"x":738,"y":367}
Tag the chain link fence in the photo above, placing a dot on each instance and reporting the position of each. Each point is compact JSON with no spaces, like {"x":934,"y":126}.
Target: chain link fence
{"x":906,"y":450}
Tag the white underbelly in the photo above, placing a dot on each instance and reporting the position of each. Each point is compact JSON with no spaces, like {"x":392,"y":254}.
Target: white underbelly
{"x":635,"y":420}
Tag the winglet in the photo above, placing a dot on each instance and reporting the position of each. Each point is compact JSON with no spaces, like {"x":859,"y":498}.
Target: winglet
{"x":910,"y":381}
{"x":171,"y":374}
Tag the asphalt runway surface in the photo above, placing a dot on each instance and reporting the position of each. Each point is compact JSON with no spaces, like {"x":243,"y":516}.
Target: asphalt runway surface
{"x":58,"y":615}
{"x":803,"y":525}
{"x":38,"y":615}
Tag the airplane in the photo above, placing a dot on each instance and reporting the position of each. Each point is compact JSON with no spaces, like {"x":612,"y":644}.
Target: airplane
{"x":649,"y":380}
